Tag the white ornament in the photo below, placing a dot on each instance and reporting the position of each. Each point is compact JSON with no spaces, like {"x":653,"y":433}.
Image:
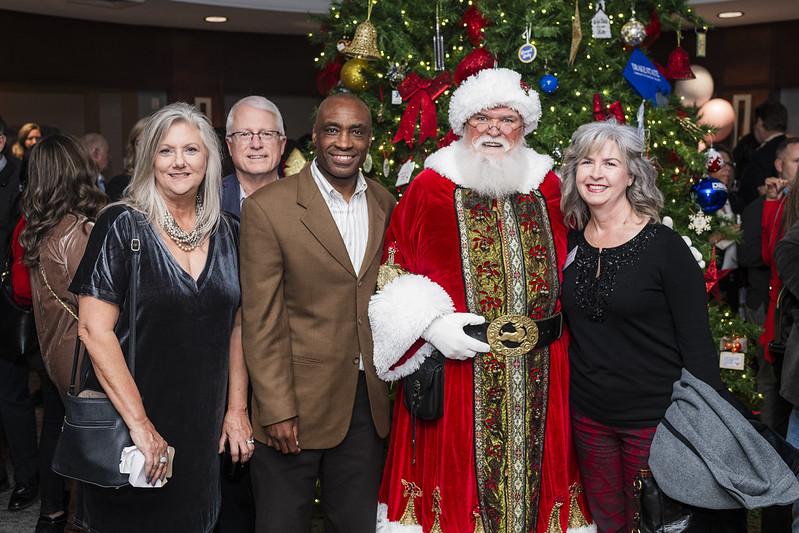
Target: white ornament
{"x":700,"y":223}
{"x":367,"y":163}
{"x":405,"y":171}
{"x":600,"y":24}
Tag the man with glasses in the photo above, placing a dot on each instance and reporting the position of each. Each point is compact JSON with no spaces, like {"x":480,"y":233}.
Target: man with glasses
{"x":256,"y":139}
{"x":478,"y":242}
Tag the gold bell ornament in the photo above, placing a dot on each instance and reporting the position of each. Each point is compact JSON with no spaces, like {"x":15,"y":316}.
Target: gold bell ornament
{"x":364,"y":42}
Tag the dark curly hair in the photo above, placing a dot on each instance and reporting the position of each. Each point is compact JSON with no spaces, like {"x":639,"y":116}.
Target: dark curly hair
{"x":62,"y":180}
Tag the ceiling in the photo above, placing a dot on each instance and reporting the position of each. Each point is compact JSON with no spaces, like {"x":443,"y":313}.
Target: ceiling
{"x":290,"y":16}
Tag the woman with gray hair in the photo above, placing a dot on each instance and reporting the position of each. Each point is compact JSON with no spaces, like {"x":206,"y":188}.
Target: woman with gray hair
{"x":635,"y":302}
{"x":190,"y":386}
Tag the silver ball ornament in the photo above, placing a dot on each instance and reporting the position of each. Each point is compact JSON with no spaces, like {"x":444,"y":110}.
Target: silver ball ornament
{"x":633,"y":32}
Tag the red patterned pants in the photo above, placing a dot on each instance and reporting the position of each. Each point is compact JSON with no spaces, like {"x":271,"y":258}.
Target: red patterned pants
{"x":608,"y":458}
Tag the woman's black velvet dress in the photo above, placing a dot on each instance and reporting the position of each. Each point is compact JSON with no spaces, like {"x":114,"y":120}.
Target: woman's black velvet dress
{"x":183,"y":328}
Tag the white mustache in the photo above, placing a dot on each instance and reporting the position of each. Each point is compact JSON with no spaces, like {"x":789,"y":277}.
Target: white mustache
{"x":506,"y":144}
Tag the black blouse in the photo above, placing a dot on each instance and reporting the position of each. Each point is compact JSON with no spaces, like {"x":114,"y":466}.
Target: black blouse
{"x":634,"y":326}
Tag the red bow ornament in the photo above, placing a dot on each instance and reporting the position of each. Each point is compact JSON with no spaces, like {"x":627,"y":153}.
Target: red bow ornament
{"x":614,"y":110}
{"x":419,"y":93}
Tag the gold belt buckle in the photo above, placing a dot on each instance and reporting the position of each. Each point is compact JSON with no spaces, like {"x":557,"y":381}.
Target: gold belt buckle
{"x":512,"y":335}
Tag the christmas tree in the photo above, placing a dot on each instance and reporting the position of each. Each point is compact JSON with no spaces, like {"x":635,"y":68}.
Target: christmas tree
{"x":404,"y":58}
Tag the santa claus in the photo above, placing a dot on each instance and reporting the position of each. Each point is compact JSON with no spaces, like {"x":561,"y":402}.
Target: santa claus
{"x":477,"y":244}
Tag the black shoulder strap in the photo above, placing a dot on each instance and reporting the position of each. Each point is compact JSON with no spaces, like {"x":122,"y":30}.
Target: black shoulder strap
{"x":135,"y":248}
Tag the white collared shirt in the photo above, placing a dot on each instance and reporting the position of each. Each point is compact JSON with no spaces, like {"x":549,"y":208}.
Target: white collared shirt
{"x":352,"y":219}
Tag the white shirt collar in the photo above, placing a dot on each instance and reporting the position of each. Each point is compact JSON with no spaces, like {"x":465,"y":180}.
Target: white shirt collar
{"x":327,"y":188}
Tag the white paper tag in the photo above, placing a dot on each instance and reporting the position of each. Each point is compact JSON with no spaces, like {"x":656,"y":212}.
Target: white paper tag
{"x":731,"y":360}
{"x":600,"y":23}
{"x":405,"y":171}
{"x":570,"y":257}
{"x":396,"y":99}
{"x":367,"y":163}
{"x":701,"y":44}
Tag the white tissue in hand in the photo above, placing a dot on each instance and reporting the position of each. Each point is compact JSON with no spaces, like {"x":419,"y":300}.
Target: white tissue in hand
{"x":132,"y":462}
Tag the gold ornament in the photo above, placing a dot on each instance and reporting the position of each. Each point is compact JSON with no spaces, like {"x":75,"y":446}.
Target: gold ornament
{"x":295,"y":162}
{"x":577,"y":34}
{"x":412,"y":492}
{"x":353,"y":75}
{"x":364,"y":43}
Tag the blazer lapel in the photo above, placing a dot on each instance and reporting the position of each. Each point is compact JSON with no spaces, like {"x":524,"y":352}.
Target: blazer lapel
{"x":377,"y":225}
{"x":319,"y":221}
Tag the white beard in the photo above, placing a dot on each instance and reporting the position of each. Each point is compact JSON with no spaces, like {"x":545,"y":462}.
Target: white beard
{"x":492,"y":175}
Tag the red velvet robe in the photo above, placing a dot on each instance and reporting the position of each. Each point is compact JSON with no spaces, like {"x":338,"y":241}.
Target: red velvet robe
{"x":424,"y":228}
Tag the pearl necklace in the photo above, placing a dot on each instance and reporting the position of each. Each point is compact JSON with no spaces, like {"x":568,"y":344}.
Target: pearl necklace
{"x":186,"y":241}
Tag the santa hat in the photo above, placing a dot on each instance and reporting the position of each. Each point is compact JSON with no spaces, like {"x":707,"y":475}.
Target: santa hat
{"x":490,"y":88}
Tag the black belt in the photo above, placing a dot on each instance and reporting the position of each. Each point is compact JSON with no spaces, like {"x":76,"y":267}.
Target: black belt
{"x":516,"y":335}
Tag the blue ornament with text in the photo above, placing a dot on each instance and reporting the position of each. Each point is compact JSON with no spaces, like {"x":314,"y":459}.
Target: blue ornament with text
{"x":548,"y":84}
{"x":710,"y":194}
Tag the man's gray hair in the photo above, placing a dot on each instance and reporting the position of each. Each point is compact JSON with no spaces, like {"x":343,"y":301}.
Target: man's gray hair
{"x":258,"y":102}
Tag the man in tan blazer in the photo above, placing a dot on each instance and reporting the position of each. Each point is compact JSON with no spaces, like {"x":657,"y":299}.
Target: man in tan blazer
{"x":311,"y":246}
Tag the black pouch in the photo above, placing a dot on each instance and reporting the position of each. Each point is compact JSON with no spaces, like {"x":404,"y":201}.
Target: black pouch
{"x":424,"y":389}
{"x":657,"y":513}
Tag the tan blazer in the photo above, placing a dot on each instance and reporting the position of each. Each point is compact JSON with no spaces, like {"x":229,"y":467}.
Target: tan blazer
{"x":304,"y":310}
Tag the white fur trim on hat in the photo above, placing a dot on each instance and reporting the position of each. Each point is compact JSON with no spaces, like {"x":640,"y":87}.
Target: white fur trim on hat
{"x":399,"y":314}
{"x":490,"y":88}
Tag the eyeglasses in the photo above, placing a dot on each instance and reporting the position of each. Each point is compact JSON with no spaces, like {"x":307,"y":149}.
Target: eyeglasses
{"x":263,"y":136}
{"x":481,"y":124}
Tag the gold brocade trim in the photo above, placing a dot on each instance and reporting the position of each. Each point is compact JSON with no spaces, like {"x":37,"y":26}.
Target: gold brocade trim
{"x":478,"y":523}
{"x":509,"y":266}
{"x":576,"y":517}
{"x":554,"y":519}
{"x":437,"y":511}
{"x":411,"y":491}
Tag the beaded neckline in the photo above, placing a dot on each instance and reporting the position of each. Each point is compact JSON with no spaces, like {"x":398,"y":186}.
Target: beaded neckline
{"x":593,"y":293}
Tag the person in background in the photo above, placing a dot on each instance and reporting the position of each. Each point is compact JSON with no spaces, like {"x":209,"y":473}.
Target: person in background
{"x":59,"y":206}
{"x":16,"y":409}
{"x":115,"y":187}
{"x":256,"y":138}
{"x":190,"y":388}
{"x":727,"y":249}
{"x":98,"y":148}
{"x":771,"y":121}
{"x":29,"y":134}
{"x":636,"y":306}
{"x":777,"y":210}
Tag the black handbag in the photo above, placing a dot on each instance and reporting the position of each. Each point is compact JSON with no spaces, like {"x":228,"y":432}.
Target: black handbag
{"x":17,"y":328}
{"x":424,"y":389}
{"x":655,"y":512}
{"x":94,"y":434}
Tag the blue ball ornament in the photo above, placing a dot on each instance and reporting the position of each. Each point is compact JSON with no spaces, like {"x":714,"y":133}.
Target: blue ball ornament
{"x":548,"y":84}
{"x":710,"y":194}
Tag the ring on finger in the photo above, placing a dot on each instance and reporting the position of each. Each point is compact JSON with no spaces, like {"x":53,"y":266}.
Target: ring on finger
{"x":163,"y":459}
{"x":250,"y":441}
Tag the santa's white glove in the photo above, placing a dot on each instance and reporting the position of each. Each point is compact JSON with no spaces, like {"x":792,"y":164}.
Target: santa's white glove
{"x":669,"y":223}
{"x":446,"y":334}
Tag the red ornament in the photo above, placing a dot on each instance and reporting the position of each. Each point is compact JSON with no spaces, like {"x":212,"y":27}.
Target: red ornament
{"x":473,"y":63}
{"x":652,"y":29}
{"x":420,"y":93}
{"x":713,"y":275}
{"x":613,"y":110}
{"x":714,"y":161}
{"x":475,"y":24}
{"x":679,"y":67}
{"x":329,"y":76}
